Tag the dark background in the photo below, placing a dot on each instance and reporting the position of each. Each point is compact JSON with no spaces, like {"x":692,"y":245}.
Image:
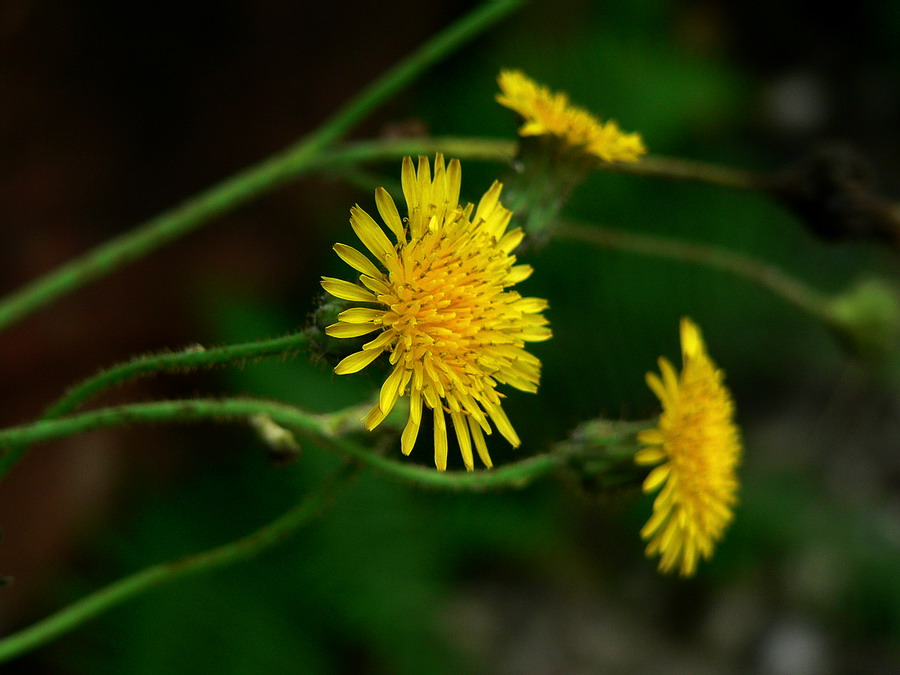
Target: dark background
{"x":113,"y":112}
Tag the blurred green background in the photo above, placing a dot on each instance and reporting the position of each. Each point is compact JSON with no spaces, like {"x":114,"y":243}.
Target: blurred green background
{"x":117,"y":111}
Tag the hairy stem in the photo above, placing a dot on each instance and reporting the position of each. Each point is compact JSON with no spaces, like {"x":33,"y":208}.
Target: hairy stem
{"x":188,"y":359}
{"x":106,"y":598}
{"x":517,"y":474}
{"x":610,"y":444}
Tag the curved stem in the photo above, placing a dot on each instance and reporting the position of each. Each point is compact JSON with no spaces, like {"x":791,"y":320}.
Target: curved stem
{"x":436,"y":49}
{"x":673,"y":168}
{"x":483,"y":149}
{"x":148,"y":365}
{"x":183,"y":361}
{"x":606,"y":444}
{"x":761,"y":273}
{"x":303,"y":158}
{"x":517,"y":474}
{"x":247,"y":184}
{"x":504,"y":150}
{"x":134,"y":585}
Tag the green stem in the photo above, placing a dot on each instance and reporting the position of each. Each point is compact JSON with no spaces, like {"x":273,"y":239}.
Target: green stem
{"x":83,"y":610}
{"x":344,"y":162}
{"x":767,"y":276}
{"x":484,"y":149}
{"x":672,"y":168}
{"x":183,"y":361}
{"x":517,"y":474}
{"x":155,"y":363}
{"x":247,"y":184}
{"x":438,"y":47}
{"x":504,"y":150}
{"x":597,"y":447}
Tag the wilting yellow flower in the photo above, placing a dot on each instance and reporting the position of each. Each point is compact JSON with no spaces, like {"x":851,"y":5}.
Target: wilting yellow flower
{"x":442,"y":309}
{"x":697,"y":449}
{"x":549,"y":113}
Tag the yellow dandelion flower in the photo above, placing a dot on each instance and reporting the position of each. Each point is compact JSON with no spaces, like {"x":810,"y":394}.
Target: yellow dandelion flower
{"x":441,"y":308}
{"x":549,"y":113}
{"x":696,"y":448}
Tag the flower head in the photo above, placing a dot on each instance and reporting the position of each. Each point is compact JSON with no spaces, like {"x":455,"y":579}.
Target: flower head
{"x":549,"y":113}
{"x":696,"y":448}
{"x":442,"y":309}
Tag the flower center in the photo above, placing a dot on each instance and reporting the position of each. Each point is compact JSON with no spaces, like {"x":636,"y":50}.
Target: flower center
{"x":445,"y":306}
{"x":701,"y":444}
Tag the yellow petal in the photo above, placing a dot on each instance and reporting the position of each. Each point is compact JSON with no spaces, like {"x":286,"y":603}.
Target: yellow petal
{"x":503,"y":424}
{"x":649,"y":456}
{"x":372,"y":236}
{"x":498,"y":221}
{"x":346,"y":291}
{"x":462,"y":435}
{"x":423,"y":182}
{"x":361,"y":315}
{"x":356,"y":361}
{"x":440,"y":439}
{"x":657,"y":520}
{"x":411,"y":430}
{"x":349,"y":330}
{"x":656,"y":478}
{"x":390,"y":390}
{"x":518,"y":273}
{"x":532,"y":128}
{"x":439,"y":182}
{"x":488,"y":202}
{"x":671,"y":541}
{"x":689,"y":560}
{"x":376,"y":285}
{"x":431,"y":397}
{"x":382,"y":341}
{"x":480,"y":445}
{"x":669,"y":377}
{"x":691,"y":340}
{"x":651,"y":437}
{"x":536,"y":334}
{"x":454,"y":180}
{"x":531,"y":305}
{"x":511,"y":240}
{"x":657,"y":386}
{"x":513,"y":379}
{"x":475,"y":413}
{"x":374,"y":418}
{"x":389,"y":214}
{"x":356,"y":260}
{"x":408,"y":182}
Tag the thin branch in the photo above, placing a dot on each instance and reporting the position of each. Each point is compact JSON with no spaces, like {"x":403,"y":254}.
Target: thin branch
{"x":182,"y":361}
{"x":143,"y":366}
{"x":761,"y":273}
{"x":475,"y":149}
{"x":598,"y":448}
{"x":247,"y":184}
{"x":517,"y":474}
{"x":673,"y":168}
{"x":132,"y":586}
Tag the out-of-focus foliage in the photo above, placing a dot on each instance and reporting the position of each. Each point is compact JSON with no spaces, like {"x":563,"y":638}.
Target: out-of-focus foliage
{"x":394,"y":580}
